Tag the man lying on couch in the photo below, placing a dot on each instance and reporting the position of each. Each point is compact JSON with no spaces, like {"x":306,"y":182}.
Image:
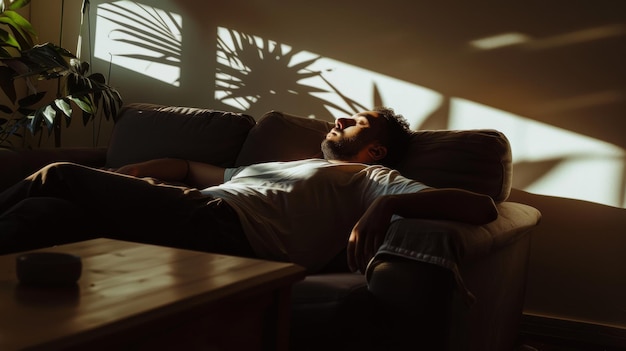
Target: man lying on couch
{"x":305,"y":211}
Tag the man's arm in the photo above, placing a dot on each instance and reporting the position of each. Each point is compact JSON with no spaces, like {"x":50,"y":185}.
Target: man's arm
{"x":196,"y":174}
{"x":445,"y":204}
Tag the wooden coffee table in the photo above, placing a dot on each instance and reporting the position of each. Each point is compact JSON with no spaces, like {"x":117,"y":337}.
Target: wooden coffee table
{"x":146,"y":297}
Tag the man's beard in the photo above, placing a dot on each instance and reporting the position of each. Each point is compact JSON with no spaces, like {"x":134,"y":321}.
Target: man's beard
{"x":341,"y":150}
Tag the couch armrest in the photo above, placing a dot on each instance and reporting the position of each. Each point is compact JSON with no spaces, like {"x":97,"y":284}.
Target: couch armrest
{"x":17,"y":164}
{"x":467,"y":280}
{"x":451,"y":244}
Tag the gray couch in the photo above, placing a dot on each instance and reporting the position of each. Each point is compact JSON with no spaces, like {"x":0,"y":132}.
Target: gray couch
{"x":468,"y":295}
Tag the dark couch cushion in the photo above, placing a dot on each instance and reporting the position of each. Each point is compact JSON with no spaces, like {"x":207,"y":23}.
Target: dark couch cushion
{"x":282,"y":137}
{"x":145,"y":131}
{"x":477,"y":160}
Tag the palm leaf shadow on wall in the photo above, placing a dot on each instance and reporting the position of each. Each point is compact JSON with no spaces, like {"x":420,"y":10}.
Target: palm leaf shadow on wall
{"x":257,"y":75}
{"x":260,"y":76}
{"x":148,"y":31}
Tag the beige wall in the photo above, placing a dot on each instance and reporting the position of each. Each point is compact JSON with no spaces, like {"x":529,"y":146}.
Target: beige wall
{"x":577,"y":264}
{"x":577,"y":267}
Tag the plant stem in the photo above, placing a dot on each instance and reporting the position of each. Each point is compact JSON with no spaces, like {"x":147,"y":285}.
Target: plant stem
{"x":57,"y":121}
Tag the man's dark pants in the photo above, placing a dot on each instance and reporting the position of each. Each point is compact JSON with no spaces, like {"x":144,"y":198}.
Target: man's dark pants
{"x":66,"y":202}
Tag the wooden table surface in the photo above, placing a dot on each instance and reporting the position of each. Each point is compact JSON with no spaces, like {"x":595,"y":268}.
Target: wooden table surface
{"x":123,"y":285}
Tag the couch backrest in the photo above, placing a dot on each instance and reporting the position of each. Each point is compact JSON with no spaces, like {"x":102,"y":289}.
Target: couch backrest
{"x":477,"y":160}
{"x":145,"y":131}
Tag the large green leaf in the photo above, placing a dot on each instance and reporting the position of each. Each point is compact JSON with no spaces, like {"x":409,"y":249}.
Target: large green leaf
{"x":80,"y":68}
{"x":6,"y":39}
{"x":77,"y":84}
{"x":45,"y":62}
{"x":84,"y":103}
{"x":18,"y":4}
{"x":22,"y":29}
{"x":47,"y":56}
{"x":50,"y":114}
{"x":64,"y":106}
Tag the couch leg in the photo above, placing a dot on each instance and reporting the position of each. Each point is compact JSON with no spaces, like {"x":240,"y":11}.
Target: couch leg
{"x":415,"y":298}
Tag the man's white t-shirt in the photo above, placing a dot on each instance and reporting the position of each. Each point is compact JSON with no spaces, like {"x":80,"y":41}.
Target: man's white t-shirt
{"x":303,"y":211}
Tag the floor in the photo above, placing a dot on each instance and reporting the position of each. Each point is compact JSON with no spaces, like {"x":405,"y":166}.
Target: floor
{"x":547,"y":344}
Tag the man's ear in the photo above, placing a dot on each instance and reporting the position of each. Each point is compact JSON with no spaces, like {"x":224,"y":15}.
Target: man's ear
{"x":377,"y":152}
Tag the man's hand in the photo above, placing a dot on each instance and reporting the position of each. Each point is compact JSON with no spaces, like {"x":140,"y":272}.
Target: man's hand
{"x":368,"y":234}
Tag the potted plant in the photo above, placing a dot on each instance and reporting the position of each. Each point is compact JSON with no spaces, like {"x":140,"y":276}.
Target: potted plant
{"x":23,"y":59}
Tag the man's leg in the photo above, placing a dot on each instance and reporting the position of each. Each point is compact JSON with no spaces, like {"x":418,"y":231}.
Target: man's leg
{"x":40,"y":222}
{"x":123,"y":207}
{"x":214,"y":227}
{"x":92,"y":188}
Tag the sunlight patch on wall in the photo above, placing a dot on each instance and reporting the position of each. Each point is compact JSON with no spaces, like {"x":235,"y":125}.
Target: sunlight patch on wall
{"x":343,"y":89}
{"x":500,"y":40}
{"x":584,"y":168}
{"x":141,"y":38}
{"x":414,"y":102}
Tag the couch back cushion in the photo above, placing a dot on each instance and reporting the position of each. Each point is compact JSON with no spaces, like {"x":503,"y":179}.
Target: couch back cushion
{"x":476,"y":160}
{"x":278,"y":136}
{"x":145,"y":131}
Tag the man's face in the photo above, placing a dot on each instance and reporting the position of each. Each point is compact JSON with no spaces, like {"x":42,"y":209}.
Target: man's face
{"x":350,"y":136}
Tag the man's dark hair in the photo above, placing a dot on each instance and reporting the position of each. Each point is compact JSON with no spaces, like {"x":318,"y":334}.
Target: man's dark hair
{"x":395,"y":135}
